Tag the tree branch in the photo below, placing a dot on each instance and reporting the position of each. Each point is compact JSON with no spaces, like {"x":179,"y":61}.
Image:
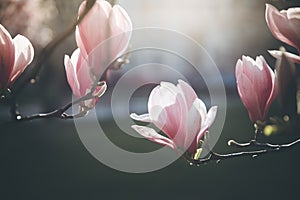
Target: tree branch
{"x":60,"y":113}
{"x":254,"y":143}
{"x":268,"y":148}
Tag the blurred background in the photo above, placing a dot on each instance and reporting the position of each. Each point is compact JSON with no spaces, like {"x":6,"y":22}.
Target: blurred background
{"x":45,"y":159}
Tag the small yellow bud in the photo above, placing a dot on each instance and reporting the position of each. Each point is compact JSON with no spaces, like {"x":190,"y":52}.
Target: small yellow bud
{"x":270,"y":129}
{"x":197,"y":154}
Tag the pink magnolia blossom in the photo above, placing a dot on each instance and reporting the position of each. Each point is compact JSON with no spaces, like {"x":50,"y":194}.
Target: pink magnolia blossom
{"x":81,"y":80}
{"x":15,"y":55}
{"x":179,"y":113}
{"x":103,"y":35}
{"x":256,"y":86}
{"x":284,"y":25}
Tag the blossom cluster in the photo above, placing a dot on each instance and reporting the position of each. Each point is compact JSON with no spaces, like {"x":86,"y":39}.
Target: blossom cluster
{"x":104,"y":34}
{"x":257,"y":84}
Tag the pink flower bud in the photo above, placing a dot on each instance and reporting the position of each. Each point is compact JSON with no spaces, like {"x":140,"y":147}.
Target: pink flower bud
{"x":284,"y":25}
{"x":256,"y":86}
{"x":103,"y":35}
{"x":15,"y":55}
{"x":81,"y":80}
{"x":179,"y":113}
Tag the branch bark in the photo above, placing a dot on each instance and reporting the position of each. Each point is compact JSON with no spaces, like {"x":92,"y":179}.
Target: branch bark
{"x":266,"y":148}
{"x":60,"y":113}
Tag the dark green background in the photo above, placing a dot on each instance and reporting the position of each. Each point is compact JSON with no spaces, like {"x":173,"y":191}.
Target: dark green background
{"x":46,"y":160}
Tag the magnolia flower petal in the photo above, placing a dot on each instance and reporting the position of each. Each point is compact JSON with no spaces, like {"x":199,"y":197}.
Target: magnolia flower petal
{"x":24,"y":54}
{"x":180,"y":102}
{"x":255,"y":82}
{"x":171,"y":87}
{"x":80,"y":43}
{"x":250,"y":68}
{"x":71,"y":73}
{"x":211,"y":116}
{"x":120,"y":28}
{"x":292,"y":57}
{"x":249,"y":98}
{"x":119,"y":20}
{"x":293,"y":13}
{"x":100,"y":59}
{"x":75,"y":59}
{"x":202,"y":110}
{"x":194,"y":122}
{"x":281,"y":27}
{"x":93,"y":28}
{"x":160,"y":97}
{"x":274,"y":90}
{"x":264,"y":84}
{"x":239,"y":68}
{"x":142,"y":118}
{"x":208,"y":121}
{"x":153,"y":136}
{"x":84,"y":76}
{"x":7,"y":57}
{"x":168,"y":111}
{"x":175,"y":119}
{"x":103,"y":35}
{"x":188,"y":92}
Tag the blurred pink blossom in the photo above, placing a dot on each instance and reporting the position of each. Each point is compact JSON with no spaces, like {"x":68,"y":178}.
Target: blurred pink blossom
{"x":256,"y":86}
{"x":103,"y":35}
{"x":15,"y":55}
{"x":179,"y":113}
{"x":285,"y":26}
{"x":31,"y":18}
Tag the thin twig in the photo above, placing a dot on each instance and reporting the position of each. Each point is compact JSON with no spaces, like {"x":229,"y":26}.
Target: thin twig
{"x":60,"y":113}
{"x":254,"y":143}
{"x":269,"y":148}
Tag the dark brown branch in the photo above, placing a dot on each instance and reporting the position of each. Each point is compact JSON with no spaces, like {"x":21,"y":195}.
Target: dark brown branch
{"x":254,"y":143}
{"x":268,"y":148}
{"x":60,"y":113}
